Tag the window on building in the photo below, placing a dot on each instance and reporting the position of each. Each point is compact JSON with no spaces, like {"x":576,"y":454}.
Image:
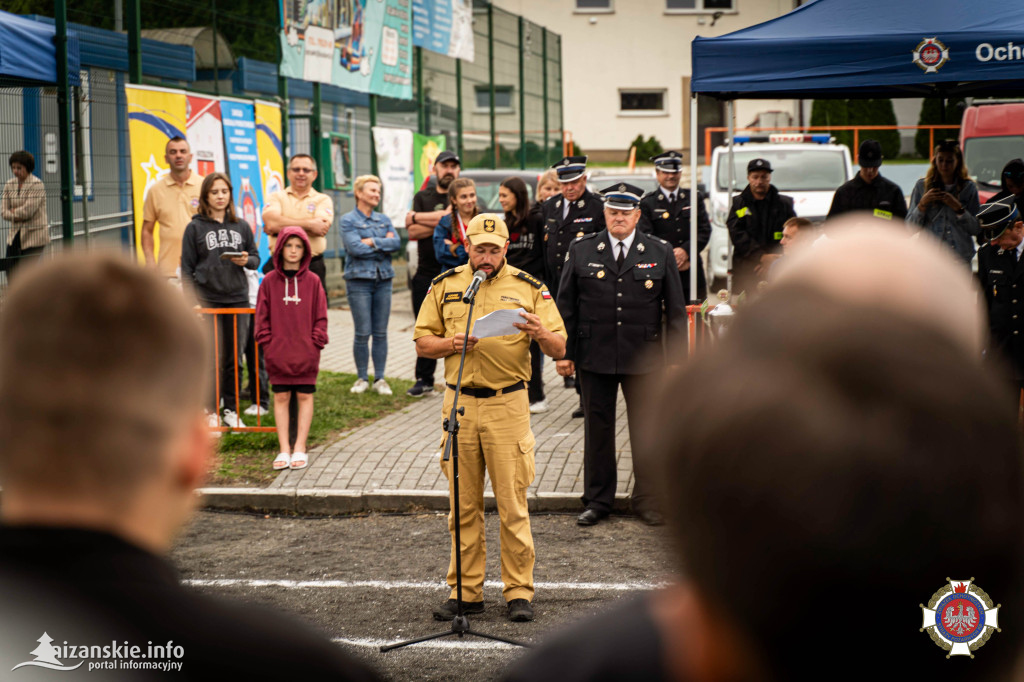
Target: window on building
{"x":699,"y":5}
{"x":502,"y":98}
{"x":642,"y":102}
{"x":594,"y":6}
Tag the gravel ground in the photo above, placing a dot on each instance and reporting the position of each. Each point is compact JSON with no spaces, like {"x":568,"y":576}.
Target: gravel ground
{"x":387,"y":573}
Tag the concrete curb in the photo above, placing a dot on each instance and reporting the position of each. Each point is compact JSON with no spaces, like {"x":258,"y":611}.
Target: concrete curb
{"x":320,"y":501}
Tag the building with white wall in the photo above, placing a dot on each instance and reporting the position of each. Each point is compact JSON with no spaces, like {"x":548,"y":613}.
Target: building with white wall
{"x":626,"y":67}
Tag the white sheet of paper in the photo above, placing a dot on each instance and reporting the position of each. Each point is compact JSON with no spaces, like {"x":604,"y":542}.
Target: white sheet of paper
{"x":498,"y":323}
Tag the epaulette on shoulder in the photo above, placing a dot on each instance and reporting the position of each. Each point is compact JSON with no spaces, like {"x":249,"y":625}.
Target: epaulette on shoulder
{"x":589,"y":235}
{"x":446,"y":273}
{"x":527,"y":277}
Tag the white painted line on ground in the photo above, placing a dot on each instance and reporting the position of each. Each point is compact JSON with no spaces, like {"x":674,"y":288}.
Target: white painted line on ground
{"x":452,"y":642}
{"x":410,"y":584}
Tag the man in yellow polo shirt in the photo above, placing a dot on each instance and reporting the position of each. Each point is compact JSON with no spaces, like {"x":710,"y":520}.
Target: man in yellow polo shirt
{"x":171,"y":201}
{"x":304,"y":207}
{"x":495,"y":430}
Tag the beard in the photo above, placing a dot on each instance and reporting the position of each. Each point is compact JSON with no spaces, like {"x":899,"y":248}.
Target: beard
{"x":443,"y":181}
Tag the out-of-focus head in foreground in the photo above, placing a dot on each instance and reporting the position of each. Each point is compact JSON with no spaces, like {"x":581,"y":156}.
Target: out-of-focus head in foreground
{"x":102,"y":376}
{"x":831,"y":461}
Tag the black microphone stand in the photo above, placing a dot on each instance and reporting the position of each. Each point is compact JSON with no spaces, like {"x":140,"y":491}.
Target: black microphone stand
{"x":460,"y":626}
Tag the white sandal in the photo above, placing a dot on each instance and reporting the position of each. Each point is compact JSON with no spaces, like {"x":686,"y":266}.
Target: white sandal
{"x":283,"y":461}
{"x":299,"y":460}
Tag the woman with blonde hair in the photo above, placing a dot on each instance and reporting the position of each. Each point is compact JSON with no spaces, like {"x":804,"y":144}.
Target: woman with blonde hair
{"x":450,"y":233}
{"x":369,"y":240}
{"x":945,"y":201}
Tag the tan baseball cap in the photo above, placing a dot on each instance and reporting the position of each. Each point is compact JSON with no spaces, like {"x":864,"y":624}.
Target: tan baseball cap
{"x":487,"y":228}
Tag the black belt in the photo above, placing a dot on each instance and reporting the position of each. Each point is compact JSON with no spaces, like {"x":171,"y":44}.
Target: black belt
{"x":490,"y":392}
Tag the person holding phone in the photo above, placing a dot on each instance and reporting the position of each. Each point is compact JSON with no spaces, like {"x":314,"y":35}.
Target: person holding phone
{"x":215,"y":248}
{"x":945,"y":201}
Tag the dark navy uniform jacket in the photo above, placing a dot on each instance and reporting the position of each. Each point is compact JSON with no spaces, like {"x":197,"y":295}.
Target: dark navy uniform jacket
{"x":1002,"y":280}
{"x":613,"y":317}
{"x":586,"y":216}
{"x":671,"y":222}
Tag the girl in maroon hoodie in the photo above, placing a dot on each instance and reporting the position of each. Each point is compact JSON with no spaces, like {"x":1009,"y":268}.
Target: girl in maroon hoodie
{"x":291,"y":328}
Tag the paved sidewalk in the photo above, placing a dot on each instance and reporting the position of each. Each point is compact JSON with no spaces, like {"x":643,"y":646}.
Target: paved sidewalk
{"x":400,"y":451}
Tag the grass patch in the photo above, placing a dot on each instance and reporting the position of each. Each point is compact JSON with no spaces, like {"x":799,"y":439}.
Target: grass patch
{"x":244,"y":459}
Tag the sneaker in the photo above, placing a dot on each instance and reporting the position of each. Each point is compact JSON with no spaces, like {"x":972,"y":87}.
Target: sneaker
{"x":539,"y":406}
{"x":213,"y":423}
{"x":421,"y":389}
{"x":448,"y":610}
{"x":382,"y":387}
{"x":232,"y":419}
{"x":360,"y":386}
{"x":520,"y":611}
{"x":256,"y":410}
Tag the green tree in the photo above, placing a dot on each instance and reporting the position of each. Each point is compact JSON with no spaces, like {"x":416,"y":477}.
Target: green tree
{"x":881,"y":113}
{"x":932,"y":114}
{"x":832,"y":112}
{"x":645,"y":149}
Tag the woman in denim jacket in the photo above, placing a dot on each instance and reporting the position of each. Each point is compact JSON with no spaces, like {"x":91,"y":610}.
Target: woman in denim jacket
{"x":945,"y":201}
{"x":369,"y":240}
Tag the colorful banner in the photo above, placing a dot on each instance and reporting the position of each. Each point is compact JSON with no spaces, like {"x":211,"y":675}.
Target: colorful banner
{"x":362,"y":45}
{"x":155,"y":115}
{"x":425,"y":149}
{"x":244,"y":164}
{"x":205,"y":135}
{"x":394,"y":163}
{"x":444,"y":26}
{"x":271,"y":153}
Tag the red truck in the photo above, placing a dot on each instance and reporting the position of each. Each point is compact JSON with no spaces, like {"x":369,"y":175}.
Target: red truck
{"x":991,"y":133}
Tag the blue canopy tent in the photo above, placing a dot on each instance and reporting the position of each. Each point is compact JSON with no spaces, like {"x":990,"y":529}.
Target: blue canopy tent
{"x":28,"y":52}
{"x":869,"y":48}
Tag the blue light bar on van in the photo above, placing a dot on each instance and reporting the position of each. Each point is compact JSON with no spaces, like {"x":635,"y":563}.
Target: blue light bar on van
{"x":782,"y":138}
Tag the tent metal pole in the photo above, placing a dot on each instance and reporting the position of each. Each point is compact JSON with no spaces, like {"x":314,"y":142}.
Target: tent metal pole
{"x":694,"y":198}
{"x":64,"y":146}
{"x":732,"y":188}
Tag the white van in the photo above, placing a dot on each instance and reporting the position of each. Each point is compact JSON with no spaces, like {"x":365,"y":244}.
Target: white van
{"x":808,"y":168}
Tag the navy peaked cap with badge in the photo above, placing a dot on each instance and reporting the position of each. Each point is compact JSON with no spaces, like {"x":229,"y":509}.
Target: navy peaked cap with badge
{"x":998,"y":216}
{"x":668,"y":162}
{"x":622,"y":196}
{"x":759,"y":165}
{"x":570,"y":168}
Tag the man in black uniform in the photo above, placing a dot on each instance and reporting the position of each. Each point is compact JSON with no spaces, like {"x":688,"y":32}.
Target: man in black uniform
{"x":869,"y":191}
{"x":573,"y":213}
{"x":665,"y":213}
{"x":617,"y":288}
{"x":428,"y":207}
{"x":1001,"y":274}
{"x":755,"y":226}
{"x":99,"y":478}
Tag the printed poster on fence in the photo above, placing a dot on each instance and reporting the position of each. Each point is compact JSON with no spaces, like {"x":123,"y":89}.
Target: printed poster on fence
{"x":444,"y":26}
{"x":362,"y":45}
{"x":205,"y":135}
{"x":394,"y":163}
{"x":244,"y":164}
{"x":271,"y":153}
{"x":155,"y":115}
{"x":425,"y":149}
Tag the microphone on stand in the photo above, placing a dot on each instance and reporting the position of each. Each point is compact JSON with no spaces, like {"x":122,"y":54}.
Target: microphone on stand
{"x":478,"y":277}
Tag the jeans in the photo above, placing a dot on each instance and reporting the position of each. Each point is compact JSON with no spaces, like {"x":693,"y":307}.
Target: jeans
{"x":370,"y":301}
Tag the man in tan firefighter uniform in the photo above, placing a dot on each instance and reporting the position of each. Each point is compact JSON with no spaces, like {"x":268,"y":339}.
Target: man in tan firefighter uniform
{"x":495,"y":430}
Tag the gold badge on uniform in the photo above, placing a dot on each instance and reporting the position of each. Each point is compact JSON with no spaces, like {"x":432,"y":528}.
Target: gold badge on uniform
{"x":580,"y":203}
{"x":488,"y":225}
{"x":640,"y":248}
{"x":600,"y":274}
{"x":665,"y":215}
{"x":600,"y":247}
{"x":579,"y":234}
{"x":545,"y":237}
{"x":648,"y":284}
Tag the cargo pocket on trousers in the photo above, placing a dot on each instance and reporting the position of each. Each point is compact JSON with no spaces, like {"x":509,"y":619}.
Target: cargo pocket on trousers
{"x":525,"y":464}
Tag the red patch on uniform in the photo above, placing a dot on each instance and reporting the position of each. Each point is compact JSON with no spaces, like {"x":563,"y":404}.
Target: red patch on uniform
{"x":545,"y":294}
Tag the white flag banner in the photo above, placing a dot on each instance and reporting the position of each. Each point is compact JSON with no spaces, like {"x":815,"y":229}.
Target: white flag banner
{"x":394,"y":163}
